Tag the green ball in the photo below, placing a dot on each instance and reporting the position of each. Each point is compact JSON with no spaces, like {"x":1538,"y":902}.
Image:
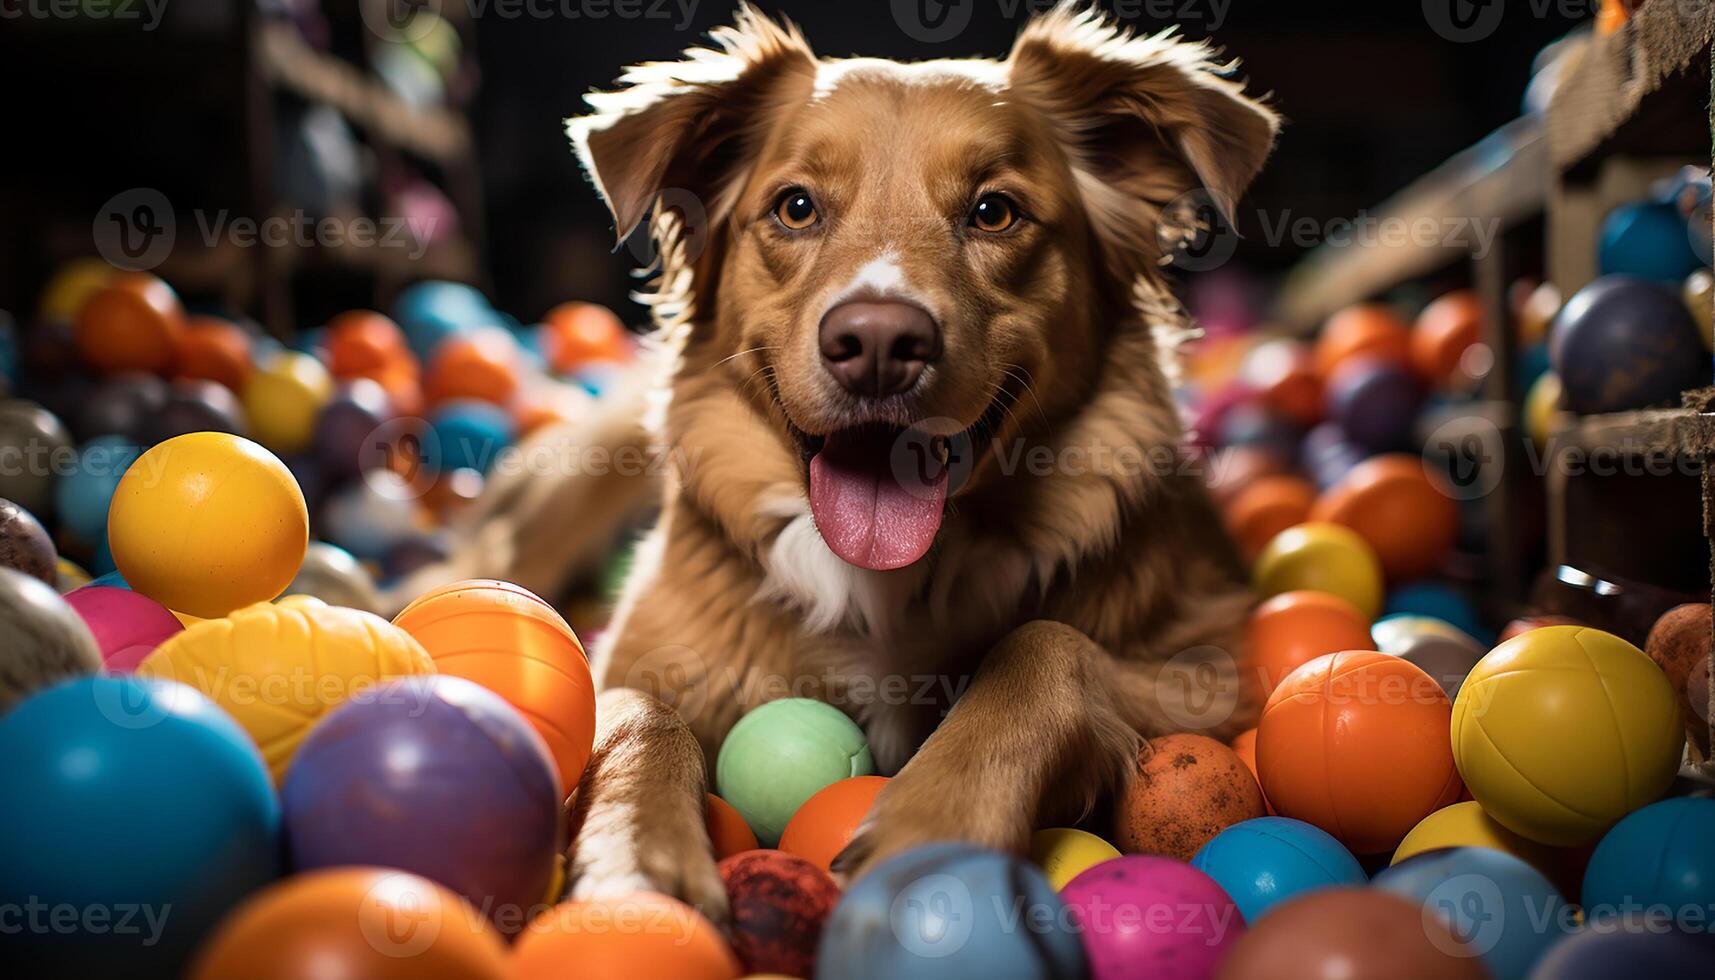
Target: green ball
{"x":780,"y":755}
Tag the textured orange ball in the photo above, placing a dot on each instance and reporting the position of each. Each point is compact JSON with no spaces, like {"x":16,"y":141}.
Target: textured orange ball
{"x":824,"y":824}
{"x":481,"y":366}
{"x":506,"y":639}
{"x":212,"y":349}
{"x":1392,"y":502}
{"x":364,"y":344}
{"x":1367,"y":330}
{"x":643,"y":936}
{"x":727,"y":830}
{"x":1293,"y":628}
{"x":1267,"y":507}
{"x":1358,"y":744}
{"x":131,"y":324}
{"x":1185,"y":790}
{"x":573,"y":334}
{"x":1443,"y":332}
{"x":372,"y":923}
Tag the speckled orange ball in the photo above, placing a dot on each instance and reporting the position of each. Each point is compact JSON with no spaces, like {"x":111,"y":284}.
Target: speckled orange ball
{"x":1678,"y":642}
{"x":1187,"y":789}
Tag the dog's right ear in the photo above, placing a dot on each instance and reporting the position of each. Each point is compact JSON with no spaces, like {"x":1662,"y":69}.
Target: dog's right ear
{"x":691,"y":124}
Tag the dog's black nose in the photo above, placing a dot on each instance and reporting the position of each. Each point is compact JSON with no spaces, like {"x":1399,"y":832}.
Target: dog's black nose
{"x":878,"y":347}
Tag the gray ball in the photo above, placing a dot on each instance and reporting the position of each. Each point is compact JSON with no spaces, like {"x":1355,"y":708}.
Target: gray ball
{"x":34,"y":446}
{"x":332,"y":575}
{"x":42,"y":639}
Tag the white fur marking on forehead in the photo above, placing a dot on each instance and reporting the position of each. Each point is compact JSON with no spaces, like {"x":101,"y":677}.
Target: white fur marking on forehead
{"x":880,"y":278}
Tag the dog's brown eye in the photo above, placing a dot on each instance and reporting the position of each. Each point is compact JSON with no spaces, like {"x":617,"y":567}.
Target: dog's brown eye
{"x":796,"y":210}
{"x":993,"y":213}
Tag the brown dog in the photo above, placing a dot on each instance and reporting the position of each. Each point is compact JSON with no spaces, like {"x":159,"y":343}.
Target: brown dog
{"x":919,"y":449}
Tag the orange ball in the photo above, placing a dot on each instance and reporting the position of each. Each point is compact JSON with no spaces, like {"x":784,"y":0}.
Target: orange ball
{"x":1444,"y":330}
{"x":1357,"y":743}
{"x":212,"y":349}
{"x":1408,"y":517}
{"x":643,"y":936}
{"x":824,"y":824}
{"x":506,"y":639}
{"x":1228,"y":472}
{"x":1244,"y":743}
{"x":576,"y":333}
{"x":482,"y":366}
{"x":131,"y":324}
{"x":1366,"y":330}
{"x":403,"y":386}
{"x":364,"y":344}
{"x":727,"y":830}
{"x":353,"y":922}
{"x":1293,"y":628}
{"x":1283,"y":373}
{"x":1186,"y":789}
{"x":1267,"y":507}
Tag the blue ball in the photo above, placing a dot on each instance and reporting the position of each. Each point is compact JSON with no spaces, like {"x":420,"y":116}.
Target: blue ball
{"x":1503,"y":908}
{"x":430,"y":312}
{"x":1659,"y":857}
{"x":112,"y":580}
{"x":1267,"y":860}
{"x":1629,"y":949}
{"x":468,"y":435}
{"x":82,"y":495}
{"x":951,"y":910}
{"x":1649,"y":239}
{"x":128,"y":796}
{"x":1437,"y":601}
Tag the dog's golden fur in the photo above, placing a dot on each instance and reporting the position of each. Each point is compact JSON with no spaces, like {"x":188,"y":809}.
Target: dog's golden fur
{"x":1007,"y":676}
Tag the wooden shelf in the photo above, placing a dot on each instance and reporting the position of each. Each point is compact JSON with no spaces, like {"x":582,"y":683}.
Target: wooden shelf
{"x":1668,"y":431}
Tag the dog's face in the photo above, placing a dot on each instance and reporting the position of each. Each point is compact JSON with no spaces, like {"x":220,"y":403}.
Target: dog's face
{"x":904,"y":262}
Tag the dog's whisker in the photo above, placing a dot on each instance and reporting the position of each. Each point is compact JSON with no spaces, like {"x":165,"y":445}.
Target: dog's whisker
{"x":753,"y":350}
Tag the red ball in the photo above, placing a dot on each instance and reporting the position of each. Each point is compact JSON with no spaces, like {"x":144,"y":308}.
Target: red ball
{"x":779,"y":903}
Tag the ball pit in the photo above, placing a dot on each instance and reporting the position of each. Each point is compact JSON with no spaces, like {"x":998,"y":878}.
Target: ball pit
{"x":1184,"y":790}
{"x":822,"y":827}
{"x":1264,"y":862}
{"x":127,"y":626}
{"x":1152,"y":918}
{"x":1063,"y":853}
{"x":1375,"y":401}
{"x":1344,"y":933}
{"x":1293,"y":628}
{"x":1321,"y":557}
{"x":482,"y":366}
{"x":1464,"y":824}
{"x":779,"y":904}
{"x":780,"y":754}
{"x":1502,"y":908}
{"x":603,"y":938}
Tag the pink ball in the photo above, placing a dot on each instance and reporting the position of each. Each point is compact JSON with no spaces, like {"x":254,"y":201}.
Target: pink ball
{"x":1152,"y":917}
{"x":128,"y":626}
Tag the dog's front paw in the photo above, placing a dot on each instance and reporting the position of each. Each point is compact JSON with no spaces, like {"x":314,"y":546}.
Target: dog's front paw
{"x":625,"y":849}
{"x":922,"y":806}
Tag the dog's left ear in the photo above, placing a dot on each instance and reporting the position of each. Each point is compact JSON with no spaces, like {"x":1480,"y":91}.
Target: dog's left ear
{"x":1143,"y":120}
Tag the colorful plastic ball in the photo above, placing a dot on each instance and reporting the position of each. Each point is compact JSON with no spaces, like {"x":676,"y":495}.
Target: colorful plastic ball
{"x":364,"y":344}
{"x":1503,"y":909}
{"x":467,"y":435}
{"x":212,"y":349}
{"x":1660,"y":857}
{"x":207,"y":523}
{"x":480,"y":366}
{"x":372,"y":515}
{"x":123,"y":405}
{"x":1184,"y":790}
{"x":432,"y":775}
{"x":779,"y":904}
{"x":1291,"y":629}
{"x":83,"y":494}
{"x":1677,"y":643}
{"x":283,"y":399}
{"x":948,"y":910}
{"x":347,"y":424}
{"x":1638,"y":948}
{"x":1326,"y":455}
{"x":1436,"y":600}
{"x":34,"y":446}
{"x":1444,"y":331}
{"x":1623,"y":343}
{"x":1267,"y":507}
{"x":1227,"y":472}
{"x":1534,"y":311}
{"x":131,"y":324}
{"x":1562,"y":731}
{"x":1541,"y":405}
{"x":1699,"y":295}
{"x":25,"y":546}
{"x":508,"y":640}
{"x":1397,"y":633}
{"x":71,"y":285}
{"x":127,"y":626}
{"x":1356,"y":744}
{"x":1369,"y":330}
{"x":1147,"y":917}
{"x":1446,"y":659}
{"x":1464,"y":824}
{"x":728,"y":833}
{"x":1321,"y":557}
{"x":1348,"y":933}
{"x":576,"y":333}
{"x":1408,"y":517}
{"x":196,"y":406}
{"x":1647,"y":239}
{"x":1263,"y":862}
{"x":45,"y":641}
{"x":1376,"y":402}
{"x":780,"y":754}
{"x":431,"y":312}
{"x":822,"y":827}
{"x":278,"y":669}
{"x":126,"y":792}
{"x":641,"y":936}
{"x":374,"y":923}
{"x":1063,"y":853}
{"x":1283,"y":373}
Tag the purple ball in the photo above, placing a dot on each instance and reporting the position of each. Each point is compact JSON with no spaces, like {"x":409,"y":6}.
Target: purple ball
{"x":1375,"y":401}
{"x":1327,"y":455}
{"x":1623,"y":343}
{"x":347,"y":422}
{"x":1152,"y":918}
{"x":1251,"y":424}
{"x":196,"y":406}
{"x":432,"y":775}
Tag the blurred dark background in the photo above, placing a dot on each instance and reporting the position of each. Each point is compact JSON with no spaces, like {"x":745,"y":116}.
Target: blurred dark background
{"x":98,"y":107}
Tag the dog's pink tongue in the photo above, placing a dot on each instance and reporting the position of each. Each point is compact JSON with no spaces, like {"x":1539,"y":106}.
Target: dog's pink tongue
{"x":869,"y":512}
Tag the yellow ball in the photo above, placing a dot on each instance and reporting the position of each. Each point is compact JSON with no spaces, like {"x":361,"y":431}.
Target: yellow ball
{"x":1561,"y":731}
{"x":1321,"y":557}
{"x":1699,"y":296}
{"x":207,"y":523}
{"x":1540,"y":407}
{"x":1062,"y":853}
{"x":73,"y":284}
{"x":283,"y":399}
{"x":1466,"y":825}
{"x":278,"y":669}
